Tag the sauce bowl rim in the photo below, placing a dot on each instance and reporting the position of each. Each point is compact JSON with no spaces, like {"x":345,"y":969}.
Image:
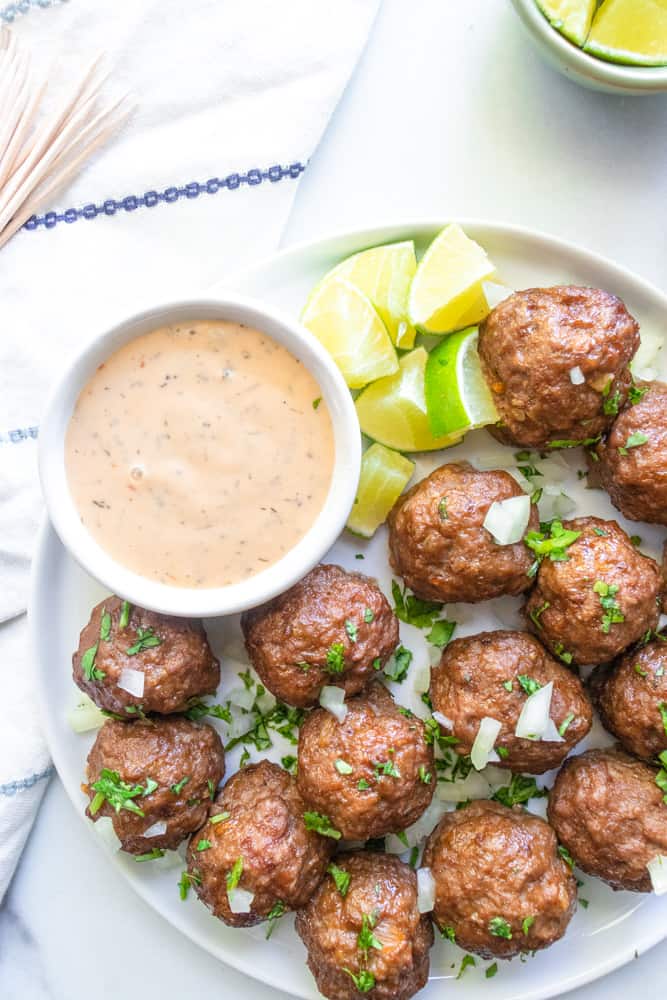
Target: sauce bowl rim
{"x":233,"y":598}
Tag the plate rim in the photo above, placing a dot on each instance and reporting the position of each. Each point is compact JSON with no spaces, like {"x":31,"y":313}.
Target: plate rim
{"x":366,"y":235}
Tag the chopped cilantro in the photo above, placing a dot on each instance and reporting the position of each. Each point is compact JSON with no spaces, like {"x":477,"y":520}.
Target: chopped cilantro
{"x":536,"y":613}
{"x":502,"y":752}
{"x":520,"y":789}
{"x":398,"y":671}
{"x":612,"y":609}
{"x":88,"y":668}
{"x":661,"y":776}
{"x":343,"y":767}
{"x":529,"y":684}
{"x":412,"y":610}
{"x":146,"y":639}
{"x":199,"y":709}
{"x":150,"y":787}
{"x":125,"y":612}
{"x":611,"y":404}
{"x":527,"y":924}
{"x":335,"y":662}
{"x":363,"y":980}
{"x":406,"y":712}
{"x":562,"y":653}
{"x":566,"y":723}
{"x":368,"y":615}
{"x":316,"y":402}
{"x":152,"y":855}
{"x":180,"y":785}
{"x":499,"y":927}
{"x":219,"y":818}
{"x":662,"y":708}
{"x":491,"y":971}
{"x":636,"y":540}
{"x":245,"y":757}
{"x":442,"y":509}
{"x":414,"y":854}
{"x":566,"y":856}
{"x":352,"y":632}
{"x":289,"y":763}
{"x":365,"y":938}
{"x":508,"y":685}
{"x":552,"y":540}
{"x":377,"y":663}
{"x":320,"y":824}
{"x":466,"y":961}
{"x":441,"y":633}
{"x":341,"y":878}
{"x":274,"y":915}
{"x":188,"y":879}
{"x":426,"y":776}
{"x":234,"y":875}
{"x":448,"y":933}
{"x":362,"y":785}
{"x":635,"y":393}
{"x":360,"y":555}
{"x":571,"y":443}
{"x":110,"y":788}
{"x":204,"y":845}
{"x":634,"y":441}
{"x":601,"y":532}
{"x":583,"y":902}
{"x":105,"y":626}
{"x":386,"y":768}
{"x":210,"y":784}
{"x":638,"y":670}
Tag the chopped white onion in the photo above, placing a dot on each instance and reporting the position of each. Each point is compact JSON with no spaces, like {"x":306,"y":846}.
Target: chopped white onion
{"x":242,"y":697}
{"x":85,"y":716}
{"x":394,"y":844}
{"x":426,"y":823}
{"x":105,"y":831}
{"x":647,"y":360}
{"x":156,"y":830}
{"x":533,"y":722}
{"x":555,"y":503}
{"x":333,"y":699}
{"x":241,"y":723}
{"x":474,"y":786}
{"x":266,"y":702}
{"x":487,"y":734}
{"x":577,"y":377}
{"x":425,"y":890}
{"x":240,"y":900}
{"x":657,"y":869}
{"x":495,"y":293}
{"x":443,"y":720}
{"x":132,"y":681}
{"x":507,"y":520}
{"x":551,"y":734}
{"x":422,"y":677}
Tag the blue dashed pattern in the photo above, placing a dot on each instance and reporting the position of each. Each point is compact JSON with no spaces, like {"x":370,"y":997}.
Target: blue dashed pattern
{"x":11,"y":11}
{"x":169,"y":195}
{"x":23,"y":784}
{"x":19,"y":435}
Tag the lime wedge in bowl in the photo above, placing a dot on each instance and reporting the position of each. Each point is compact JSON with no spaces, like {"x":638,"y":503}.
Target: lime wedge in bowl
{"x":384,"y":476}
{"x":457,"y":396}
{"x":384,"y":275}
{"x":346,"y":324}
{"x":393,"y":410}
{"x":630,"y":31}
{"x":572,"y":18}
{"x":446,"y":289}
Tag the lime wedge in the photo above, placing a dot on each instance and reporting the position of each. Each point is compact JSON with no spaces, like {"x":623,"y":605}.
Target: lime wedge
{"x":457,"y":395}
{"x":630,"y":31}
{"x":447,"y":283}
{"x":384,"y":275}
{"x":572,"y":18}
{"x":393,"y":409}
{"x":384,"y":476}
{"x":346,"y":324}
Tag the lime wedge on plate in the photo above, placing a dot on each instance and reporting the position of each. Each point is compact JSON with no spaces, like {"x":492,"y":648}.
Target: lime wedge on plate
{"x":384,"y":476}
{"x":457,"y":395}
{"x":447,"y":285}
{"x":630,"y":31}
{"x":346,"y":324}
{"x":384,"y":275}
{"x":393,"y":409}
{"x":572,"y":18}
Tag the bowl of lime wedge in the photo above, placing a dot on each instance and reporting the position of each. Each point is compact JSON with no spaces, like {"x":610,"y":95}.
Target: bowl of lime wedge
{"x":617,"y":46}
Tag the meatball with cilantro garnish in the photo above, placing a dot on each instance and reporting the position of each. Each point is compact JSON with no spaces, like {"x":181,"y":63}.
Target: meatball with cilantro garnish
{"x":595,"y":594}
{"x":555,"y":359}
{"x":155,"y":779}
{"x":332,"y":628}
{"x":501,"y":886}
{"x":631,"y":462}
{"x":491,"y":675}
{"x":131,"y":661}
{"x":257,"y":856}
{"x":369,"y":773}
{"x":364,"y":931}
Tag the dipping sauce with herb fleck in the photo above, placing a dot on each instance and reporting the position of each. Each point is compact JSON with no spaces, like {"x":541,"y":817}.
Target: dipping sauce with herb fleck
{"x":199,"y":454}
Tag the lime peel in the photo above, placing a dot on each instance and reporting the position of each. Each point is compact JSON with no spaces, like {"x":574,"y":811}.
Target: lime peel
{"x":457,"y":396}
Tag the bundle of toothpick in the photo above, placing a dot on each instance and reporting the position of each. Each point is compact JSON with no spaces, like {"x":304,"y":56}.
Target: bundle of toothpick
{"x":40,"y":153}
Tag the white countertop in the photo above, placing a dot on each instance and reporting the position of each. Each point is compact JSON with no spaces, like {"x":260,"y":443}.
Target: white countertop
{"x":451,"y":112}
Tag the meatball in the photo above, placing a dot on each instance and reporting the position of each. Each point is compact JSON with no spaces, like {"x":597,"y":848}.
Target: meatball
{"x":501,"y":887}
{"x":491,"y":674}
{"x":372,"y":773}
{"x":608,"y":812}
{"x":333,"y":627}
{"x":363,"y":931}
{"x":157,"y":771}
{"x":597,"y":596}
{"x":529,"y":346}
{"x":438,"y":544}
{"x":172,"y":654}
{"x":256,"y":837}
{"x":632,"y":460}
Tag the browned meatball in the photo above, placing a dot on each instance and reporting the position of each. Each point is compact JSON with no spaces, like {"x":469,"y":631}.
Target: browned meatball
{"x":173,"y":654}
{"x":599,"y":599}
{"x":501,"y":886}
{"x":438,"y":544}
{"x":256,"y":824}
{"x":491,"y":674}
{"x":154,"y":771}
{"x":528,"y":346}
{"x":632,"y":460}
{"x":371,"y":774}
{"x":608,"y":811}
{"x":333,"y":627}
{"x":365,"y":935}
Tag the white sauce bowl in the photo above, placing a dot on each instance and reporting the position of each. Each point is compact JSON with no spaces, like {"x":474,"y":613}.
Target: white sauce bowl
{"x":214,"y":601}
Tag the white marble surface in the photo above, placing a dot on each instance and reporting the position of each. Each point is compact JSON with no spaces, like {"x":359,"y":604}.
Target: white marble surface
{"x":450,"y":113}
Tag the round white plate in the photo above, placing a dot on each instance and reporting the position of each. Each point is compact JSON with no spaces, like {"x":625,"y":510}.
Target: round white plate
{"x":616,"y":926}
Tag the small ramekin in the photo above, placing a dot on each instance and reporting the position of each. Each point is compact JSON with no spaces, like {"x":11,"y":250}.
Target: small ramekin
{"x":215,"y":601}
{"x":588,"y":70}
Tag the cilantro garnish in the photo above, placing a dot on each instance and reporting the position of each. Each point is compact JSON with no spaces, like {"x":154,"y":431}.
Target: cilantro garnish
{"x":536,"y":613}
{"x":424,"y":775}
{"x":441,"y":633}
{"x":289,"y":763}
{"x":364,"y":980}
{"x":335,"y":662}
{"x":502,"y":752}
{"x":442,"y":509}
{"x":566,"y":856}
{"x":527,"y":924}
{"x":188,"y":879}
{"x":412,"y":610}
{"x":199,"y":709}
{"x":146,"y":639}
{"x":152,"y":855}
{"x":529,"y":684}
{"x":204,"y":844}
{"x":368,"y":615}
{"x":662,"y":708}
{"x":321,"y":824}
{"x":234,"y":875}
{"x":639,"y":670}
{"x":448,"y":933}
{"x":635,"y":393}
{"x":110,"y":788}
{"x":316,"y":402}
{"x":552,"y":540}
{"x":180,"y":785}
{"x":362,"y":785}
{"x":88,"y":668}
{"x":612,"y":609}
{"x":611,"y":404}
{"x":572,"y":443}
{"x":634,"y":441}
{"x":352,"y":632}
{"x":491,"y":971}
{"x":273,"y":916}
{"x":386,"y":768}
{"x":566,"y":723}
{"x":520,"y":789}
{"x":366,"y":939}
{"x":219,"y":818}
{"x":105,"y":626}
{"x":562,"y":653}
{"x":341,"y":878}
{"x":401,"y":664}
{"x":125,"y":612}
{"x":150,"y":787}
{"x":499,"y":927}
{"x":661,"y":776}
{"x":466,"y":961}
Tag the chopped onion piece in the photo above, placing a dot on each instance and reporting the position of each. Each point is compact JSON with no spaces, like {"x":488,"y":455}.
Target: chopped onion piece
{"x":425,"y":890}
{"x":495,"y":293}
{"x":241,"y":723}
{"x":104,"y":829}
{"x":555,"y":503}
{"x":507,"y":520}
{"x":156,"y":830}
{"x":487,"y":734}
{"x":426,"y":823}
{"x":443,"y":720}
{"x":657,"y":869}
{"x":394,"y":845}
{"x":240,"y":900}
{"x":132,"y":681}
{"x":577,"y":377}
{"x":422,"y":677}
{"x":242,"y":698}
{"x":551,"y":734}
{"x":85,"y":716}
{"x":333,"y":699}
{"x":266,"y":702}
{"x":534,"y":720}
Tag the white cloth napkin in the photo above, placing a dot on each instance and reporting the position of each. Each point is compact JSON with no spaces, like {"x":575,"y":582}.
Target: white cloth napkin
{"x":233,"y":96}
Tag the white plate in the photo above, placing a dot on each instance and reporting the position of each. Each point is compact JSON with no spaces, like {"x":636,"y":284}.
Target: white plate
{"x":616,"y":926}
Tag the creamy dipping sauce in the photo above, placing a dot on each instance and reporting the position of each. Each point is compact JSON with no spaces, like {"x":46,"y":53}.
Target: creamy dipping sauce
{"x":200,"y":453}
